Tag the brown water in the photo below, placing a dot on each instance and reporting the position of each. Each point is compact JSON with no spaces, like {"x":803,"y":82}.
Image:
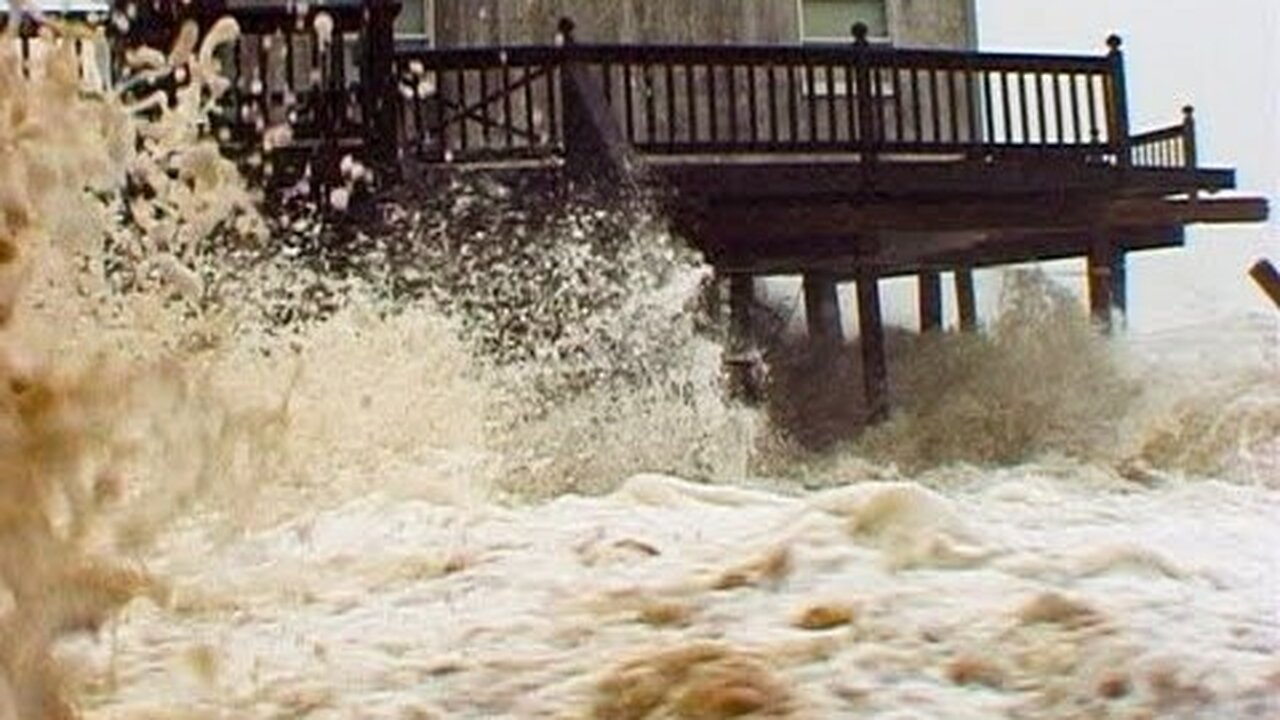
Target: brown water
{"x":210,"y":511}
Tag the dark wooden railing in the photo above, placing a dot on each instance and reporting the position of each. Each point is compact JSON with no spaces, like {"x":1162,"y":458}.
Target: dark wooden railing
{"x":320,"y":72}
{"x":29,"y":39}
{"x":357,"y":90}
{"x":478,"y":103}
{"x":1171,"y":147}
{"x":860,"y":99}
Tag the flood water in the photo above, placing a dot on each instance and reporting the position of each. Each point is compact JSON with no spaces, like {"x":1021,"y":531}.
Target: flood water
{"x":489,"y":468}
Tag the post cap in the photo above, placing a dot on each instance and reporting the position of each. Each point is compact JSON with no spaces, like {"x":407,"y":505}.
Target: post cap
{"x":565,"y":27}
{"x":859,"y":31}
{"x":1188,"y":111}
{"x":1114,"y":42}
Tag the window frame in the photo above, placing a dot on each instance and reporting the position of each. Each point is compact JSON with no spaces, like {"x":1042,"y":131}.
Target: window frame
{"x":805,"y":39}
{"x":428,"y":24}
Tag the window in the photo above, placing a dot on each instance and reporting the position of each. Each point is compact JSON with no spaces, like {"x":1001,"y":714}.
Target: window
{"x":416,"y":20}
{"x":832,"y":20}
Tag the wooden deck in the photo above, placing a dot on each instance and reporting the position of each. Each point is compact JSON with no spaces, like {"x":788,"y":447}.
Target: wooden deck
{"x":840,"y":162}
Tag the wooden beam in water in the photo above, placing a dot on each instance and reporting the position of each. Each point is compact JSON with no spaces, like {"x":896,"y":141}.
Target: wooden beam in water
{"x":875,"y":372}
{"x":742,"y":361}
{"x":822,"y":309}
{"x":966,"y":300}
{"x":1101,"y":263}
{"x":930,"y":299}
{"x":1120,"y":281}
{"x":1265,"y":274}
{"x":742,"y":290}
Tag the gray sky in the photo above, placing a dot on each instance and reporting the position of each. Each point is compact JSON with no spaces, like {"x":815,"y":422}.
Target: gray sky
{"x":1223,"y":57}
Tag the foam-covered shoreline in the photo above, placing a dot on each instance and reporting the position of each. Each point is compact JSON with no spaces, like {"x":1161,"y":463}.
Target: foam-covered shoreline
{"x":1025,"y":595}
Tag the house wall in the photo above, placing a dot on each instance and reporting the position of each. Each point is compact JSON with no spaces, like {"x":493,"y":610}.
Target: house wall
{"x":913,"y":23}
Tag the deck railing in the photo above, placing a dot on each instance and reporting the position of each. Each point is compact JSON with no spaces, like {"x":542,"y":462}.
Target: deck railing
{"x":331,"y":71}
{"x":28,"y":40}
{"x":1171,"y":147}
{"x":479,"y":103}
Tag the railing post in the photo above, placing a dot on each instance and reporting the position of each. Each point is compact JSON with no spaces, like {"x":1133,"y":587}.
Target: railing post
{"x":378,"y":81}
{"x":1118,"y":103}
{"x":595,"y":148}
{"x":867,"y":135}
{"x":1190,"y":154}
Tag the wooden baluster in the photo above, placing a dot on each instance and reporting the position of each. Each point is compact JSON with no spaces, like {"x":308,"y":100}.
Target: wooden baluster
{"x":988,"y":104}
{"x":812,"y":100}
{"x":793,"y":104}
{"x":628,"y":102}
{"x":732,"y":103}
{"x":954,"y":105}
{"x":752,"y":101}
{"x":916,"y":110}
{"x":1095,"y":133}
{"x":831,"y":105}
{"x":554,"y":121}
{"x":973,"y":115}
{"x":530,"y":118}
{"x":508,"y":125}
{"x":1057,"y":109}
{"x":1006,"y":102}
{"x":772,"y":92}
{"x":650,"y":108}
{"x":460,"y":85}
{"x":691,"y":101}
{"x":935,"y":107}
{"x":713,"y":105}
{"x":486,"y":118}
{"x":1041,"y":114}
{"x":1075,"y":108}
{"x":1024,"y":108}
{"x":670,"y":75}
{"x":441,"y":131}
{"x":897,"y":102}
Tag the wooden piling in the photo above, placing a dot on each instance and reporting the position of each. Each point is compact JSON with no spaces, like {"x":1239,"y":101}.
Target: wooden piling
{"x":930,"y":299}
{"x":1101,"y":265}
{"x":1265,"y":274}
{"x":966,"y":300}
{"x":822,"y":309}
{"x":742,"y":289}
{"x":1120,"y":282}
{"x":875,"y":372}
{"x":743,"y":361}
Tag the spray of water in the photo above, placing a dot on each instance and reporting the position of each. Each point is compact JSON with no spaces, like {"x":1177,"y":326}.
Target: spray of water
{"x":174,"y":353}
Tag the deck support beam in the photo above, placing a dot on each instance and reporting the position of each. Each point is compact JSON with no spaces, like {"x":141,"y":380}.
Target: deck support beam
{"x":930,"y":299}
{"x":822,"y":309}
{"x":966,"y":300}
{"x":875,"y":371}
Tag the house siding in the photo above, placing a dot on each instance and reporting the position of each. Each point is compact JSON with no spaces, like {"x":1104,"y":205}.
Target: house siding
{"x":913,"y":23}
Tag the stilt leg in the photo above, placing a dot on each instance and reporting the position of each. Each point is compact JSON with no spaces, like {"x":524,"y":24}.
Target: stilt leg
{"x":966,"y":300}
{"x":930,"y":296}
{"x":875,"y":372}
